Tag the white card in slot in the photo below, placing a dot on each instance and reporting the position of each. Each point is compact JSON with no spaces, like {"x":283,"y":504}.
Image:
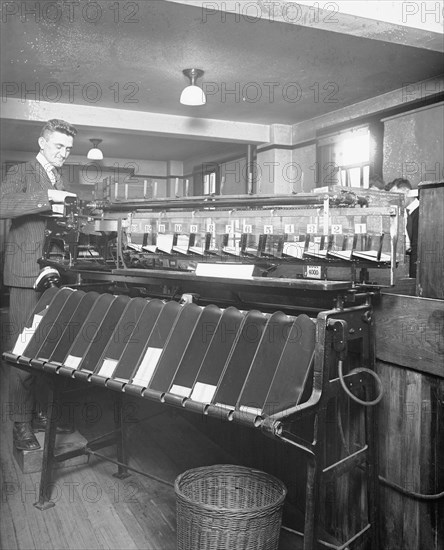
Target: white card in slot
{"x":293,"y":249}
{"x":232,"y":250}
{"x":203,"y":393}
{"x":372,"y":255}
{"x":147,"y":366}
{"x":108,"y":367}
{"x":314,"y":249}
{"x":150,"y":248}
{"x":72,"y":361}
{"x":180,"y":390}
{"x":343,"y":254}
{"x":165,"y":242}
{"x":137,"y":247}
{"x":26,"y":335}
{"x":182,"y":244}
{"x":197,"y":250}
{"x":181,"y":250}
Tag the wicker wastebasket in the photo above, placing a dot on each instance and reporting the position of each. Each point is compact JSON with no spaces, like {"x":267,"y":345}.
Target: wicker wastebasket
{"x":226,"y":507}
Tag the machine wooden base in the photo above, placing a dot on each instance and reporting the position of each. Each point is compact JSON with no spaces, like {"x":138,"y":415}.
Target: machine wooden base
{"x":31,"y":461}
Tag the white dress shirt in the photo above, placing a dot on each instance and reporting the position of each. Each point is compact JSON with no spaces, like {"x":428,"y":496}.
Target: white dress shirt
{"x":48,"y":167}
{"x":409,"y":209}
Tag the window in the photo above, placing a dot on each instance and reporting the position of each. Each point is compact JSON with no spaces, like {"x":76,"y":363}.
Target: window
{"x":209,"y":183}
{"x":345,"y":158}
{"x":206,"y":179}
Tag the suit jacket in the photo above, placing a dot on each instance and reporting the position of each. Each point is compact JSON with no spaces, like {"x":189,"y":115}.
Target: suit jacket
{"x":412,"y":231}
{"x":23,"y":196}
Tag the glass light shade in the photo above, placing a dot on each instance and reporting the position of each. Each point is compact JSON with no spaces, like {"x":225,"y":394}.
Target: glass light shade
{"x":193,"y":95}
{"x":94,"y":154}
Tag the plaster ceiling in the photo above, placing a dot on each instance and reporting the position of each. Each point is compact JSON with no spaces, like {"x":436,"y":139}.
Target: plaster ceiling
{"x":132,"y":56}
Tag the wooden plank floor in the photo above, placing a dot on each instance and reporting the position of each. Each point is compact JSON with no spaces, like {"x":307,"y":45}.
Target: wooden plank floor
{"x":95,"y":510}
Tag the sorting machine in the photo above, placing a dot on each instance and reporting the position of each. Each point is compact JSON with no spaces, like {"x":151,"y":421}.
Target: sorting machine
{"x":255,"y":310}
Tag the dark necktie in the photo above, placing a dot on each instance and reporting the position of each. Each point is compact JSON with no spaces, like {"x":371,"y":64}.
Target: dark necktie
{"x":56,"y":177}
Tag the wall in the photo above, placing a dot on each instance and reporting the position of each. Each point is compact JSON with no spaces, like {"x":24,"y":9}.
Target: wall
{"x":275,"y":172}
{"x":413,"y":145}
{"x":234,"y":173}
{"x":304,"y":159}
{"x":278,"y":170}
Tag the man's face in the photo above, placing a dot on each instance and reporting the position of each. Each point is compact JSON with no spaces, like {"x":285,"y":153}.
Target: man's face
{"x":407,"y":199}
{"x":56,"y":147}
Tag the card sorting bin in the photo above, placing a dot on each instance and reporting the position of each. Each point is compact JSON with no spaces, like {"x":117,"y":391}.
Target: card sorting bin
{"x":225,"y":362}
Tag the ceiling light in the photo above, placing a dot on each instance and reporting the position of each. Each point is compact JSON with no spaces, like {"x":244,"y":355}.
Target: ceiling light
{"x":95,"y":153}
{"x":193,"y":95}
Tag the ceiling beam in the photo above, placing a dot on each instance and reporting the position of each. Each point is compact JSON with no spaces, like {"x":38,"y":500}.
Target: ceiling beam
{"x":332,"y":20}
{"x":155,"y":124}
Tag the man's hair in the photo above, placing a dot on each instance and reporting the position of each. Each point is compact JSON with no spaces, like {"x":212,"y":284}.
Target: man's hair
{"x":399,"y":183}
{"x":57,"y":125}
{"x":376,"y":181}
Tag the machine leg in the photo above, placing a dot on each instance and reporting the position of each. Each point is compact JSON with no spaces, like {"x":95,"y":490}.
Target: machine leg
{"x":372,"y":476}
{"x":371,"y":436}
{"x":315,"y":466}
{"x":311,"y":504}
{"x":44,"y":501}
{"x":122,"y":472}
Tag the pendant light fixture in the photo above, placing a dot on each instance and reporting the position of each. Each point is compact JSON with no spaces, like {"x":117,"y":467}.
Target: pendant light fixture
{"x":192,"y":94}
{"x":95,"y":153}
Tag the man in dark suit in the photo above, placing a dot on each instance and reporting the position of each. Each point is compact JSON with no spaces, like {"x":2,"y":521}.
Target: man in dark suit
{"x":401,"y":185}
{"x":29,"y":189}
{"x":412,"y":210}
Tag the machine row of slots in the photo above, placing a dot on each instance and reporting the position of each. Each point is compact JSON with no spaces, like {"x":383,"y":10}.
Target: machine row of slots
{"x":251,"y":362}
{"x":343,"y":247}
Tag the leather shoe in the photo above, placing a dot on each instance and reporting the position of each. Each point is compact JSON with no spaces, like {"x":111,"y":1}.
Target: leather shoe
{"x":40,"y":421}
{"x":24,"y":438}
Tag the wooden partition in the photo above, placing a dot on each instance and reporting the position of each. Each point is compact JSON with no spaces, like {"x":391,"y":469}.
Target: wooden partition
{"x":410,"y":362}
{"x":430,"y":272}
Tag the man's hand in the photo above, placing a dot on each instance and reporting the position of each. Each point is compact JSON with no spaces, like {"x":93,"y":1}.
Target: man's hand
{"x":54,"y":195}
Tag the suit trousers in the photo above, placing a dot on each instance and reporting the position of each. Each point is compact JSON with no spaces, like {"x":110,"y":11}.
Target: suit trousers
{"x":26,"y":390}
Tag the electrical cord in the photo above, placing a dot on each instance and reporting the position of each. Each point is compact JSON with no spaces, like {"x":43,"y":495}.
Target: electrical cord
{"x":383,"y":480}
{"x":387,"y":482}
{"x":411,"y":494}
{"x":380,"y":390}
